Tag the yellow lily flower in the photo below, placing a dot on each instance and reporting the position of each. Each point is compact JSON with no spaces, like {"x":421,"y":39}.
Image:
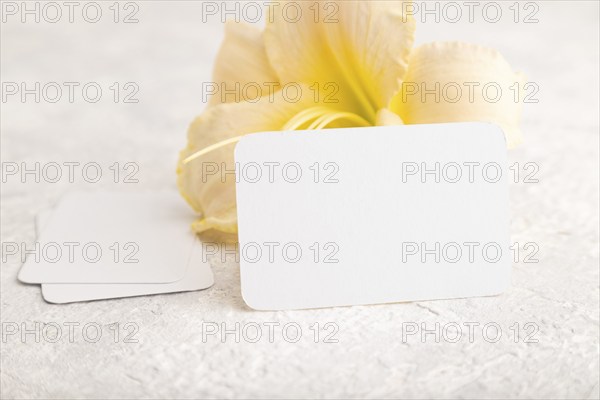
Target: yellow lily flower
{"x":359,"y":70}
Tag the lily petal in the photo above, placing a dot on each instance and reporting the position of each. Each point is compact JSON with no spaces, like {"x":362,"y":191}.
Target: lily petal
{"x":361,"y":47}
{"x":242,"y":60}
{"x":386,"y":117}
{"x":208,"y":182}
{"x":444,"y":68}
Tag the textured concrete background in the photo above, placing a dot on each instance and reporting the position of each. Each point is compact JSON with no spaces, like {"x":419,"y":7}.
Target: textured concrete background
{"x":168,"y":54}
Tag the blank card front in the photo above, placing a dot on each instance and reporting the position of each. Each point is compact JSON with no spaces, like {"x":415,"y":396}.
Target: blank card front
{"x":104,"y":237}
{"x":372,"y":215}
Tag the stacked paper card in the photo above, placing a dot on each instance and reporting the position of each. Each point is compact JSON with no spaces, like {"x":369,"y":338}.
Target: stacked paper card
{"x":101,"y":245}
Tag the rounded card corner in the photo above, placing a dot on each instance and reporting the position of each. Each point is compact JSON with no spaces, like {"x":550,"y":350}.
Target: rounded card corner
{"x":495,"y":130}
{"x":250,"y":302}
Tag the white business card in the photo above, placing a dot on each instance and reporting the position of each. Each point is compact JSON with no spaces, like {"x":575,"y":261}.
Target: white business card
{"x":104,"y":237}
{"x":198,"y":276}
{"x":372,"y":215}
